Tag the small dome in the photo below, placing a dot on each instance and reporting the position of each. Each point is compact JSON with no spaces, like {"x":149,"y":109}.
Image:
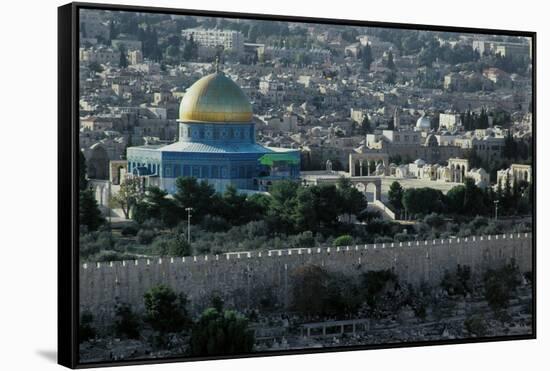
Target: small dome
{"x":423,"y":123}
{"x":215,"y":98}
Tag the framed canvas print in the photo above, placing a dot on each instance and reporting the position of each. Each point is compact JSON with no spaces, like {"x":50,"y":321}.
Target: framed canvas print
{"x":237,"y":185}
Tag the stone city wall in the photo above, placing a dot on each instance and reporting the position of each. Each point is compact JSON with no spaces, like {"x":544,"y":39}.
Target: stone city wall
{"x":244,"y":279}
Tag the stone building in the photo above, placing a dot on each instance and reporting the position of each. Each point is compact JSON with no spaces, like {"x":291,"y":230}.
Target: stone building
{"x":515,"y":173}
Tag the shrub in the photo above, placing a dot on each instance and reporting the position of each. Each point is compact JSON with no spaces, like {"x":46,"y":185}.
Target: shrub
{"x":465,"y":232}
{"x":479,"y":222}
{"x":165,"y":310}
{"x":492,"y":228}
{"x":500,"y":284}
{"x":127,"y":322}
{"x":219,"y":332}
{"x":402,"y":237}
{"x":178,"y":246}
{"x":369,"y":215}
{"x":379,"y":291}
{"x":129,"y":230}
{"x":145,"y":236}
{"x":476,"y":325}
{"x":459,"y":282}
{"x":214,"y":223}
{"x":319,"y":292}
{"x":105,"y":240}
{"x":122,"y":245}
{"x":108,"y":256}
{"x":256,"y":229}
{"x":159,"y":246}
{"x":344,"y":240}
{"x":434,"y":220}
{"x":85,"y":329}
{"x":88,"y":245}
{"x":383,"y":239}
{"x":304,"y":239}
{"x":153,"y":224}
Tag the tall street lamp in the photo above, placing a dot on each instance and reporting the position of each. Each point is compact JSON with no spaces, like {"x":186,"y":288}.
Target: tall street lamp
{"x":189,"y":209}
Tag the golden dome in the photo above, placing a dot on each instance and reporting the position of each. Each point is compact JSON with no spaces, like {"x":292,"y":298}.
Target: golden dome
{"x":215,"y":98}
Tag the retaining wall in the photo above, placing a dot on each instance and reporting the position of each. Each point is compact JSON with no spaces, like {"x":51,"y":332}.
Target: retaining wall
{"x":244,"y":279}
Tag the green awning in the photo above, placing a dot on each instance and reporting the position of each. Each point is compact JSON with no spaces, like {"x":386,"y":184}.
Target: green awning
{"x":270,"y":158}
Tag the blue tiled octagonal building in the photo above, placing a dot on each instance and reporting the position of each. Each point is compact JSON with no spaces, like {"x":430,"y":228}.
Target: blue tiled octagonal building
{"x":217,"y":143}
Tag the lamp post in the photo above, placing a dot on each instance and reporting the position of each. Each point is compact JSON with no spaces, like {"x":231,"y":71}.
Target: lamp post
{"x":496,"y":209}
{"x":109,"y":206}
{"x":188,"y":209}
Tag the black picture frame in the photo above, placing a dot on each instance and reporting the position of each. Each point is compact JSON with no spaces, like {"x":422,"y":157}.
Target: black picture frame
{"x":68,"y":170}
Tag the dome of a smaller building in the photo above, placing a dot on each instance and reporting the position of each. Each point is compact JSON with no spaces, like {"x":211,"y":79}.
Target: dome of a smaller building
{"x":423,"y":123}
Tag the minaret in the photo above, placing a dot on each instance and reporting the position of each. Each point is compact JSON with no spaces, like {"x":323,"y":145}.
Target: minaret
{"x":396,"y":119}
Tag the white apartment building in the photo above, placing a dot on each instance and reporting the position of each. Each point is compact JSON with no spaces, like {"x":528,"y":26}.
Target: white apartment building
{"x":449,"y":121}
{"x":100,"y":55}
{"x":213,"y":38}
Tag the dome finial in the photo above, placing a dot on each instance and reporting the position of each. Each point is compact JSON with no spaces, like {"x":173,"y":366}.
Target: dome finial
{"x":217,"y":64}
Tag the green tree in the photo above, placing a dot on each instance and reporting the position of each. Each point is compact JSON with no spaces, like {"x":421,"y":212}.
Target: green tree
{"x":89,"y":213}
{"x":326,"y":209}
{"x":366,"y":56}
{"x":378,"y":289}
{"x":473,"y":159}
{"x":390,"y":79}
{"x":473,"y":198}
{"x":507,"y":199}
{"x":395,"y":195}
{"x":190,"y":49}
{"x":389,"y":61}
{"x":305,"y":214}
{"x":173,"y":53}
{"x":510,"y":150}
{"x":179,"y":246}
{"x":458,"y":282}
{"x":455,"y":199}
{"x":258,"y":205}
{"x":366,"y":125}
{"x":127,"y":323}
{"x":281,"y":212}
{"x":128,"y":195}
{"x":234,"y":206}
{"x":201,"y":196}
{"x":86,"y":331}
{"x":112,"y":31}
{"x":482,"y":121}
{"x":156,"y":205}
{"x":352,"y":202}
{"x":318,"y":292}
{"x":476,"y":325}
{"x":166,"y":310}
{"x":309,"y":290}
{"x":221,"y":332}
{"x":423,"y":200}
{"x":82,"y":181}
{"x":95,"y":67}
{"x":123,"y":63}
{"x":500,"y":285}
